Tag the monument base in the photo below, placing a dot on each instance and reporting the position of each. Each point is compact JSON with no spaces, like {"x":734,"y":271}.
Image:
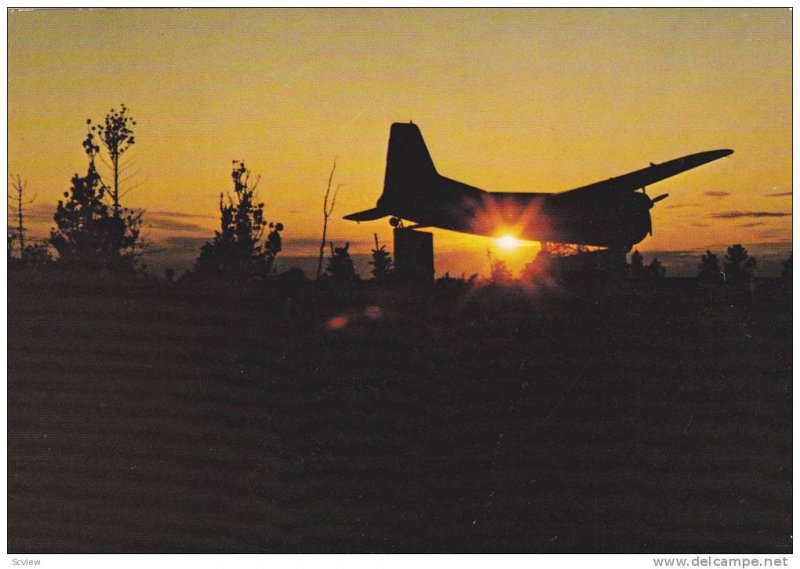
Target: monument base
{"x":413,"y":255}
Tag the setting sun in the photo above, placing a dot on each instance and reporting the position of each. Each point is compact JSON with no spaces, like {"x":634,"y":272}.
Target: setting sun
{"x":508,"y":242}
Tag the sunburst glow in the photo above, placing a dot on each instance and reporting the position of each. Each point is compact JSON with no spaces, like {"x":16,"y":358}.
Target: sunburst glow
{"x":508,"y":242}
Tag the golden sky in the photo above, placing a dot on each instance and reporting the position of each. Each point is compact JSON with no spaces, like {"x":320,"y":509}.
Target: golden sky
{"x":508,"y":100}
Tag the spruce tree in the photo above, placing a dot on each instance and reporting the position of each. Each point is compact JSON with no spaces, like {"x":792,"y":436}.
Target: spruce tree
{"x":381,"y":262}
{"x":237,"y":251}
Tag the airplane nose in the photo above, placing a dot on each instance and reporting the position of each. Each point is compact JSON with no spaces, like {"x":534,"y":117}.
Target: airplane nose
{"x":650,"y":205}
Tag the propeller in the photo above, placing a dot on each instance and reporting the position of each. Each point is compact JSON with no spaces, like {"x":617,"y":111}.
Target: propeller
{"x":652,"y":203}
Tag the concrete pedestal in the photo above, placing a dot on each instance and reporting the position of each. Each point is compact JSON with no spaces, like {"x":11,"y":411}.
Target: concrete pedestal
{"x":413,"y":255}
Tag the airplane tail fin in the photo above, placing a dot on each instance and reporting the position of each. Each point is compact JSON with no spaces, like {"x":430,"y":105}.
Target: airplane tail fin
{"x":410,"y":175}
{"x":409,"y":167}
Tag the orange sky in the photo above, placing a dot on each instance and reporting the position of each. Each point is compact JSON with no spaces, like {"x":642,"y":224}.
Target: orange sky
{"x":508,"y":100}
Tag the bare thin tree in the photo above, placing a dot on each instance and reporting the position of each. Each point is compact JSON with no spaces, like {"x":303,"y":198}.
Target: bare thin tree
{"x":116,"y":136}
{"x":328,"y":204}
{"x":18,"y":197}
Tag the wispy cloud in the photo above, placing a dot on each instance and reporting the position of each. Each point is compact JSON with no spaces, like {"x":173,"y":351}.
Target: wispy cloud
{"x":36,"y":211}
{"x":184,"y":243}
{"x":753,"y":224}
{"x":164,"y":213}
{"x":173,"y":225}
{"x":172,"y":221}
{"x":775,"y":235}
{"x":778,"y":195}
{"x":677,"y":254}
{"x":781,"y":243}
{"x":716,"y":194}
{"x":751,"y":214}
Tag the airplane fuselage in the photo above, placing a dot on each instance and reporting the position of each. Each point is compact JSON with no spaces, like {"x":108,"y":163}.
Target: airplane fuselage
{"x":589,"y":219}
{"x":610,"y":213}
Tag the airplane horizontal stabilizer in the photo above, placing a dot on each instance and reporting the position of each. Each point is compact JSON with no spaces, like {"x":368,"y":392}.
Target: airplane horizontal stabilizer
{"x":367,"y":215}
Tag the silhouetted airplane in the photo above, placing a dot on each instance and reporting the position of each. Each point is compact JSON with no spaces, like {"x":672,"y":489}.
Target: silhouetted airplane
{"x":611,"y":213}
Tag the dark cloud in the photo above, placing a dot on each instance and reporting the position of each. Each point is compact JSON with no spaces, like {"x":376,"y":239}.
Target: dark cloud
{"x":172,"y":225}
{"x":676,"y":254}
{"x":779,"y":244}
{"x":779,"y":195}
{"x":681,"y":205}
{"x":171,"y":221}
{"x":304,"y":242}
{"x":163,"y":213}
{"x":183,"y":243}
{"x":753,"y":224}
{"x":751,"y":214}
{"x":716,"y":194}
{"x":771,"y":234}
{"x":38,"y":211}
{"x":701,"y":224}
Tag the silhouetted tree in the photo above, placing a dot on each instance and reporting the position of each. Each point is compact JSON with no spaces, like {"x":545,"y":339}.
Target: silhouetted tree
{"x":86,"y":233}
{"x":786,"y":269}
{"x":637,"y":265}
{"x":655,"y":270}
{"x":738,"y":265}
{"x":37,"y":254}
{"x":340,"y":265}
{"x":538,"y":269}
{"x":292,"y":278}
{"x":11,"y":237}
{"x":500,"y":272}
{"x":328,"y":204}
{"x":710,"y":271}
{"x":381,"y":262}
{"x":19,"y":199}
{"x":237,"y":253}
{"x":116,"y":136}
{"x":451,"y":286}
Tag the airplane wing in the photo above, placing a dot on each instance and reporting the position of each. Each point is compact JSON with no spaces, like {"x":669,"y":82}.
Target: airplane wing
{"x":654,"y":173}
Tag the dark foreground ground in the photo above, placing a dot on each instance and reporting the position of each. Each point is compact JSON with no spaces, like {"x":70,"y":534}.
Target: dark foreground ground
{"x":156,"y":419}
